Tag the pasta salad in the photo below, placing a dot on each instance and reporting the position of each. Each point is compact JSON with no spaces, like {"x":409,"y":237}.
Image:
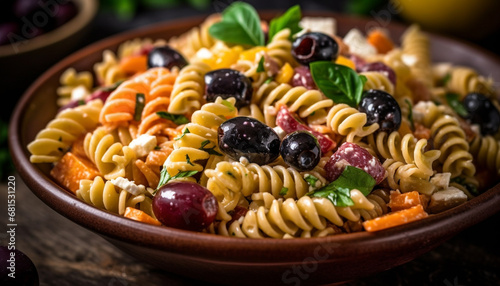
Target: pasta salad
{"x":280,"y":129}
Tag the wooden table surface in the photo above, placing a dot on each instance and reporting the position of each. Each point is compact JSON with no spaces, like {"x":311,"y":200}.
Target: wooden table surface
{"x":67,"y":254}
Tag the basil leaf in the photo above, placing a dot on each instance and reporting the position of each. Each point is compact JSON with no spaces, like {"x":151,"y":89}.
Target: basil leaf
{"x":140,"y":101}
{"x":290,"y":19}
{"x":339,"y":191}
{"x":260,"y":67}
{"x":355,"y":178}
{"x":165,"y":177}
{"x":453,"y":100}
{"x":240,"y":25}
{"x":178,"y":119}
{"x":410,"y":114}
{"x":339,"y":83}
{"x":338,"y":197}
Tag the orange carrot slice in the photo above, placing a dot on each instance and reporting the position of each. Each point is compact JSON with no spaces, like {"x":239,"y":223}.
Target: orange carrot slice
{"x":71,"y":169}
{"x":380,"y":41}
{"x":404,"y":201}
{"x":396,"y":218}
{"x":134,"y":64}
{"x":141,"y":216}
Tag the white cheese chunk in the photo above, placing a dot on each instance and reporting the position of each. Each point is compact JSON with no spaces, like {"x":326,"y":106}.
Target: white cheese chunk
{"x":143,"y":144}
{"x":325,"y":25}
{"x":79,"y":93}
{"x":441,"y":180}
{"x":446,"y":199}
{"x":358,"y":44}
{"x":129,"y":186}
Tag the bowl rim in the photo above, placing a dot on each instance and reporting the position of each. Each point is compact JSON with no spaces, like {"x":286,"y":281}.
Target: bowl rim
{"x":87,"y":9}
{"x":186,"y":242}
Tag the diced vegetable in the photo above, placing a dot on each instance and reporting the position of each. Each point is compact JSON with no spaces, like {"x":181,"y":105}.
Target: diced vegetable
{"x":285,"y":74}
{"x":141,"y":216}
{"x":71,"y":169}
{"x":341,"y":60}
{"x":134,"y":64}
{"x":396,"y":218}
{"x":380,"y":41}
{"x":404,"y":201}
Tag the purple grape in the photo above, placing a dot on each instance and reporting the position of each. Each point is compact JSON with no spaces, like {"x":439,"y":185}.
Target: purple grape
{"x":65,"y":13}
{"x":25,"y":8}
{"x":302,"y":77}
{"x":382,"y":68}
{"x":25,"y":272}
{"x":5,"y":30}
{"x":185,"y":205}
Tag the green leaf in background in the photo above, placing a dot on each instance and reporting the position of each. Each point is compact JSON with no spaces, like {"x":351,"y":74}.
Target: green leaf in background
{"x":339,"y":83}
{"x":200,"y":4}
{"x":289,"y":20}
{"x":339,"y":191}
{"x":453,"y":100}
{"x":240,"y":25}
{"x":363,"y":7}
{"x":125,"y":9}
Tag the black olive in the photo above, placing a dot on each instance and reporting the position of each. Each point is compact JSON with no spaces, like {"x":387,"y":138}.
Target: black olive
{"x":301,"y":150}
{"x":482,"y":111}
{"x":228,"y":83}
{"x":314,"y":46}
{"x":166,"y":57}
{"x":249,"y":138}
{"x":380,"y":107}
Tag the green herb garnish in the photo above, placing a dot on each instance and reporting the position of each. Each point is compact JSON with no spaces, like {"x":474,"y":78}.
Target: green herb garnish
{"x":184,"y":132}
{"x":446,"y":79}
{"x":339,"y":191}
{"x":470,"y":187}
{"x":188,"y":160}
{"x":240,"y":25}
{"x":339,"y":83}
{"x":157,"y":148}
{"x":268,"y":80}
{"x":284,"y":191}
{"x":178,"y":119}
{"x":228,"y":105}
{"x":311,"y":180}
{"x":453,"y":100}
{"x":290,"y":19}
{"x":210,"y":150}
{"x":165,"y":177}
{"x":410,"y":114}
{"x":81,"y":102}
{"x":260,"y":67}
{"x":140,"y":101}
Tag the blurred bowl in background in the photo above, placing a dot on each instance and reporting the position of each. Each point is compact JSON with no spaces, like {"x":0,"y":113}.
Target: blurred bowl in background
{"x":465,"y":18}
{"x":22,"y":62}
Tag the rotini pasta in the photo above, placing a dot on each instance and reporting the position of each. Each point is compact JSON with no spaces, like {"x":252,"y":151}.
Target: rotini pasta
{"x":104,"y":195}
{"x":160,"y":125}
{"x":55,"y":139}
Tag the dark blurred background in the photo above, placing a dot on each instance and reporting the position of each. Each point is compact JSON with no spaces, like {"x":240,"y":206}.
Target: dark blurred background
{"x":472,"y":258}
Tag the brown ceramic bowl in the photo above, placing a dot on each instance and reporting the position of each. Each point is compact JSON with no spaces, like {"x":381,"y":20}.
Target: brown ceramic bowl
{"x":233,"y":260}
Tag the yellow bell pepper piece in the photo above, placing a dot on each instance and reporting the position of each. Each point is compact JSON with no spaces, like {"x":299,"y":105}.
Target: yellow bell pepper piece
{"x":250,"y":54}
{"x":341,"y":60}
{"x":285,"y":74}
{"x":227,"y":58}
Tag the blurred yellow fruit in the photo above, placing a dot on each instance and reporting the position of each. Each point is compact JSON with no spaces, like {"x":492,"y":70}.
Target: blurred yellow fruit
{"x":469,"y":18}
